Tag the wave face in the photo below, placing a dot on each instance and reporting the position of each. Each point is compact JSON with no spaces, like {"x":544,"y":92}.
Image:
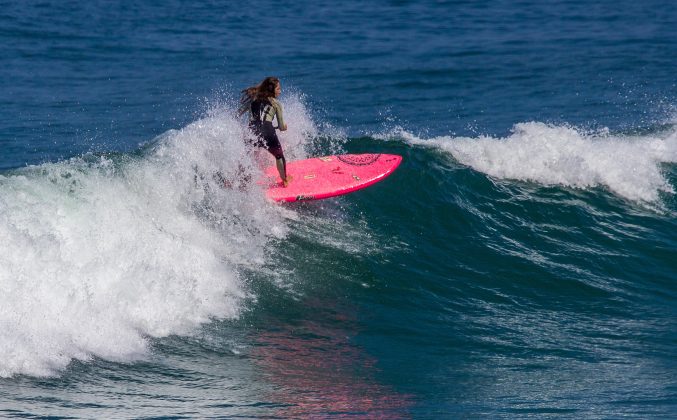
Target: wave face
{"x":511,"y":259}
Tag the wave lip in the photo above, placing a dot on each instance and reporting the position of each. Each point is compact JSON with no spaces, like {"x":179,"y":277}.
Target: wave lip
{"x":629,"y":166}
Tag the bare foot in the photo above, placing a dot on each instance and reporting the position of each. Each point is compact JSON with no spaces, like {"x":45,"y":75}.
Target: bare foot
{"x":286,"y":181}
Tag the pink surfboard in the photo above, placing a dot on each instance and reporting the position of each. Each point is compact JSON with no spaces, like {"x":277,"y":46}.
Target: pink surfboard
{"x":329,"y":176}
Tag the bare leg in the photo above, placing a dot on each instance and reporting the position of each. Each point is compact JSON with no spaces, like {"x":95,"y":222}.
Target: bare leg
{"x":281,"y":164}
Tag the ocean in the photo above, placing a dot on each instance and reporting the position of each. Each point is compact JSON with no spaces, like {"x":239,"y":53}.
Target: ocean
{"x":520,"y":263}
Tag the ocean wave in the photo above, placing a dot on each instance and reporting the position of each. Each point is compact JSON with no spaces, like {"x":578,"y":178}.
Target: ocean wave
{"x":103,"y":252}
{"x":628,"y":165}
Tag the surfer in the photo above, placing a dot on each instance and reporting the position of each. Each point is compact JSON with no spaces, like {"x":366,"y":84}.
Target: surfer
{"x":263,"y":107}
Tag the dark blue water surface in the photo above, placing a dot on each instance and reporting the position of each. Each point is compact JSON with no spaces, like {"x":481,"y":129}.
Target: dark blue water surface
{"x":521,"y":262}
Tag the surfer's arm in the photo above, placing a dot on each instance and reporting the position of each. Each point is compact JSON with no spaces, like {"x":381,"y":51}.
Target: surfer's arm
{"x":278,"y":113}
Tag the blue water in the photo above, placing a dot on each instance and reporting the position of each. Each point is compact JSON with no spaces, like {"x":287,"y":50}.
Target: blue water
{"x":521,"y":262}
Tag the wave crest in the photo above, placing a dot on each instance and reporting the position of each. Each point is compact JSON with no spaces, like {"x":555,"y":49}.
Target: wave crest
{"x":628,"y":165}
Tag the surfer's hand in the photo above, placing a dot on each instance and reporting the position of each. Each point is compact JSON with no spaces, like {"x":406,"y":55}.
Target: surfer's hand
{"x":283,"y":127}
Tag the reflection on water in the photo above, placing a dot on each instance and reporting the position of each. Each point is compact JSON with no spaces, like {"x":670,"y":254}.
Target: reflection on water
{"x":315,"y":371}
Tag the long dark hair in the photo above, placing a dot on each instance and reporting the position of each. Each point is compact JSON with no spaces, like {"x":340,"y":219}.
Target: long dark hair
{"x":265,"y":89}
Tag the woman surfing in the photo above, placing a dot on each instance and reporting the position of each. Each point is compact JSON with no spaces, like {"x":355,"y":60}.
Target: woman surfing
{"x":263,"y":107}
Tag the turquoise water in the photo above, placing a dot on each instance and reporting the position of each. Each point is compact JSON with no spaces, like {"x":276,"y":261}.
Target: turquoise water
{"x":521,"y":262}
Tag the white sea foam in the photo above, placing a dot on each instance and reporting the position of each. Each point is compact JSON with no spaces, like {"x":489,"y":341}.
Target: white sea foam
{"x":100,"y":253}
{"x":629,"y":166}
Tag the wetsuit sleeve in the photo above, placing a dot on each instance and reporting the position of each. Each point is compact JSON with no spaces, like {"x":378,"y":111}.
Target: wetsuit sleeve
{"x":278,"y":112}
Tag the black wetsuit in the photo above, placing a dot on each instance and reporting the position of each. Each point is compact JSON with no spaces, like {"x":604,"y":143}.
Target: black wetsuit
{"x":261,"y":123}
